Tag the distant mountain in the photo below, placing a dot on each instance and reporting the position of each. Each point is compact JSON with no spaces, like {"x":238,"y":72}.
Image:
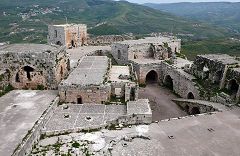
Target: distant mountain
{"x":224,"y":14}
{"x":27,"y":20}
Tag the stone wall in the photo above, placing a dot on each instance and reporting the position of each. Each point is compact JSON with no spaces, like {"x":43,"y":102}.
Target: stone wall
{"x":87,"y":94}
{"x":120,"y":53}
{"x":25,"y":147}
{"x":183,"y":83}
{"x":31,"y":70}
{"x":107,"y":39}
{"x":69,"y":35}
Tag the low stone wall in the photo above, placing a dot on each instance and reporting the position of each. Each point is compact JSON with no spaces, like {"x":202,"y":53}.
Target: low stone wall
{"x":34,"y":134}
{"x":202,"y":106}
{"x":124,"y":120}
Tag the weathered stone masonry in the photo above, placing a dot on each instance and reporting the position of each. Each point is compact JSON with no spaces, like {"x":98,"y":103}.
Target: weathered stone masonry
{"x":34,"y":65}
{"x":69,"y":35}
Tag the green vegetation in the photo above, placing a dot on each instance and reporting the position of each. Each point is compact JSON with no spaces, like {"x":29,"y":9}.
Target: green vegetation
{"x":75,"y":145}
{"x":6,"y":89}
{"x":224,"y":46}
{"x":222,"y":14}
{"x":102,"y":17}
{"x":40,"y":87}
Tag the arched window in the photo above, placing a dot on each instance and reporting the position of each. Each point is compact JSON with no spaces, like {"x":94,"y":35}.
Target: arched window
{"x":168,"y":82}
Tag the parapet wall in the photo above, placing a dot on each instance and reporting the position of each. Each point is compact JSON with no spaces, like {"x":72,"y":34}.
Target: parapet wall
{"x":33,"y":136}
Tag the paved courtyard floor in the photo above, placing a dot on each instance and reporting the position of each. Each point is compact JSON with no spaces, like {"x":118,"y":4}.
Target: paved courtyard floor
{"x":79,"y":116}
{"x":19,"y":110}
{"x":203,"y":135}
{"x":161,"y":102}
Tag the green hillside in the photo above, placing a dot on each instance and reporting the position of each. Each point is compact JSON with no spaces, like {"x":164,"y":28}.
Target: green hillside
{"x":224,"y":14}
{"x":27,"y":20}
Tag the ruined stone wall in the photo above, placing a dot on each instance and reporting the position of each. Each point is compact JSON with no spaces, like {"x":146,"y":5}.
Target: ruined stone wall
{"x":182,"y":82}
{"x":120,"y":53}
{"x":88,"y":94}
{"x":4,"y":77}
{"x":56,"y":35}
{"x":107,"y":39}
{"x":41,"y":67}
{"x":140,"y":51}
{"x":131,"y":91}
{"x":143,"y":69}
{"x":175,"y":45}
{"x":76,"y":36}
{"x":69,"y":35}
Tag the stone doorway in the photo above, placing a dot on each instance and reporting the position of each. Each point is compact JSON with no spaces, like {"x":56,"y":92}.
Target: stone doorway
{"x":190,"y":95}
{"x":79,"y":100}
{"x":152,"y":77}
{"x":168,"y":82}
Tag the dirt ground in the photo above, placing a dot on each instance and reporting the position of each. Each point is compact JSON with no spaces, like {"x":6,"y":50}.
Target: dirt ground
{"x":161,"y":102}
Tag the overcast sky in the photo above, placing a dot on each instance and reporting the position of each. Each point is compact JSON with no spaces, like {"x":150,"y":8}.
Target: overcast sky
{"x":175,"y":1}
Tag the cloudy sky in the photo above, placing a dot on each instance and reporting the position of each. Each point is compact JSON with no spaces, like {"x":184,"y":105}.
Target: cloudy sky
{"x":174,"y":1}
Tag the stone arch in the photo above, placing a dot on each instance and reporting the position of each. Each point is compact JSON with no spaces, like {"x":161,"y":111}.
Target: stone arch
{"x":233,"y":86}
{"x":151,"y":77}
{"x":168,"y":82}
{"x":195,"y":110}
{"x":28,"y":71}
{"x":58,"y":43}
{"x":190,"y":95}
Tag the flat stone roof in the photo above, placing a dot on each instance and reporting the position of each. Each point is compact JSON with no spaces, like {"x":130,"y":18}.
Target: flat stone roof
{"x":116,"y":71}
{"x":141,"y":106}
{"x":27,"y":48}
{"x":146,"y":61}
{"x":19,"y":110}
{"x":83,"y":116}
{"x":69,"y":25}
{"x":148,"y":40}
{"x":77,"y":53}
{"x":217,"y":134}
{"x":223,"y":58}
{"x":90,"y":71}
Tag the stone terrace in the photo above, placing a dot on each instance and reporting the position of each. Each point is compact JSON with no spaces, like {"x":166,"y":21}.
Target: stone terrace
{"x":81,"y":116}
{"x":27,"y":48}
{"x":19,"y":110}
{"x":90,"y":71}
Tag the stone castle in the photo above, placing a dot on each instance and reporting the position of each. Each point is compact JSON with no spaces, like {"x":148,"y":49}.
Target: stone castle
{"x":102,"y":88}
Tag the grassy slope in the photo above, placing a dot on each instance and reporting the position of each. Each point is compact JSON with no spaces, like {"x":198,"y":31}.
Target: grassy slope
{"x":120,"y":17}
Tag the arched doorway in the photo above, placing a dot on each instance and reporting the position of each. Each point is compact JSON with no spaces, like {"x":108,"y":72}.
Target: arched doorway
{"x":233,"y":87}
{"x":151,"y":77}
{"x":28,"y":71}
{"x":168,"y":82}
{"x":195,"y":110}
{"x":190,"y":95}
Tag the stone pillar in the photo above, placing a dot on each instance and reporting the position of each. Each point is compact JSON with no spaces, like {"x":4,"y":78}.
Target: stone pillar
{"x":222,"y":82}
